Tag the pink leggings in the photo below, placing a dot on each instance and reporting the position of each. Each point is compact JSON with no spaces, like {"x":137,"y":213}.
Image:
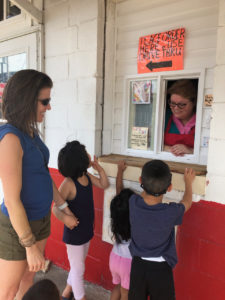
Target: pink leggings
{"x":76,"y":255}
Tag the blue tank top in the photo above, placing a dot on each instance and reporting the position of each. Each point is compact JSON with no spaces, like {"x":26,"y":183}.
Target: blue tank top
{"x":83,"y":208}
{"x":37,"y":192}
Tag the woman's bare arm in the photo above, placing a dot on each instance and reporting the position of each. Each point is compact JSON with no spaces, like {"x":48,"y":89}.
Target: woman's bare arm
{"x":11,"y":155}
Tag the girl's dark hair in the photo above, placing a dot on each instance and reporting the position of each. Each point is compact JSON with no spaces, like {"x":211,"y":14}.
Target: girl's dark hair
{"x":20,"y":95}
{"x":119,"y":213}
{"x":155,"y":177}
{"x":44,"y":289}
{"x":185,"y":88}
{"x":73,"y":160}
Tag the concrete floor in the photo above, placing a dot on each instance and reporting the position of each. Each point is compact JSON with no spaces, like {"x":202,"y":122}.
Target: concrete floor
{"x":59,"y":276}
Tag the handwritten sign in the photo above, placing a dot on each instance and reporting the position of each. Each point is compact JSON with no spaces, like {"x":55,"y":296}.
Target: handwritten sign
{"x":161,"y":52}
{"x":139,"y":138}
{"x":2,"y":85}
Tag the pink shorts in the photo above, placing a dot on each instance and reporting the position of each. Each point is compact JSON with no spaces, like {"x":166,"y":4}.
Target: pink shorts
{"x":120,"y":270}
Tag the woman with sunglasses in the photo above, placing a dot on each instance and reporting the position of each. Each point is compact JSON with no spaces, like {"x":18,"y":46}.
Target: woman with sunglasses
{"x":180,"y":120}
{"x":27,"y":185}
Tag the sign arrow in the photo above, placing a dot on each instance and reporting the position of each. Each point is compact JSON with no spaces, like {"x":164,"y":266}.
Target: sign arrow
{"x":157,"y":65}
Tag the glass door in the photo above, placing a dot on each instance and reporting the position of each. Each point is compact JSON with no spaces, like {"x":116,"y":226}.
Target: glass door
{"x":16,"y":54}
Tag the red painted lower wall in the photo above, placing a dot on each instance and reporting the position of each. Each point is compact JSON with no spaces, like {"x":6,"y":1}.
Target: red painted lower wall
{"x":200,"y":272}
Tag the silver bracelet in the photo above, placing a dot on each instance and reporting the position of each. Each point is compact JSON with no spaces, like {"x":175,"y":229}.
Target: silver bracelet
{"x":62,"y":206}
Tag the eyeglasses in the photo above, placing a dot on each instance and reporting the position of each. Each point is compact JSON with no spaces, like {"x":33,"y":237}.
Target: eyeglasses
{"x":179,"y":105}
{"x":45,"y":102}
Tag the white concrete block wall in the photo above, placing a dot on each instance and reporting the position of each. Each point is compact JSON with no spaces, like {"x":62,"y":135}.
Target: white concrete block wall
{"x":216,"y":160}
{"x":73,"y":38}
{"x":133,"y":19}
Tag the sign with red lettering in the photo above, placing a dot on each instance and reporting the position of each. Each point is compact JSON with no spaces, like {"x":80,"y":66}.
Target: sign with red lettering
{"x":161,"y":52}
{"x":2,"y":85}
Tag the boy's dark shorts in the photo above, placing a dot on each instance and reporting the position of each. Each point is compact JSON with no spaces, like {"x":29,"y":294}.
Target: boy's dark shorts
{"x":10,"y":248}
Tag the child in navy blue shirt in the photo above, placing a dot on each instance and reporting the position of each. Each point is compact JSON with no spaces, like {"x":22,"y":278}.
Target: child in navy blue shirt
{"x":153,"y":234}
{"x":76,"y":189}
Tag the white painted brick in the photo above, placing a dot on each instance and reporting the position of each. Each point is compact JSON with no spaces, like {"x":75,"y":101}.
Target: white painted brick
{"x":221,"y":12}
{"x":116,"y":146}
{"x":205,"y":132}
{"x":87,"y":36}
{"x":62,"y":41}
{"x":209,"y":77}
{"x":107,"y":141}
{"x":64,"y":92}
{"x":50,"y":3}
{"x":87,"y":137}
{"x":98,"y":142}
{"x":208,"y":91}
{"x":203,"y":156}
{"x":219,"y":86}
{"x":87,"y":90}
{"x":73,"y":39}
{"x":55,"y":144}
{"x":119,"y":98}
{"x":82,"y":64}
{"x":218,"y":121}
{"x":81,"y":116}
{"x":215,"y":189}
{"x":206,"y":117}
{"x":118,"y":116}
{"x":82,"y":10}
{"x":56,"y":16}
{"x":119,"y":85}
{"x":57,"y":117}
{"x":57,"y":67}
{"x":216,"y":161}
{"x":98,"y":119}
{"x":117,"y":132}
{"x":99,"y":89}
{"x":108,"y":115}
{"x":220,"y":57}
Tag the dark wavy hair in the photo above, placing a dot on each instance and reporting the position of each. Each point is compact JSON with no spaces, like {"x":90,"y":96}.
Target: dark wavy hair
{"x":73,"y":160}
{"x":119,"y":213}
{"x":155,"y":177}
{"x":44,"y":289}
{"x":20,"y":95}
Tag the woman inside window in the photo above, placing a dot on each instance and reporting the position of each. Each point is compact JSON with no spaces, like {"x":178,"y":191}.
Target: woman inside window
{"x":181,"y":117}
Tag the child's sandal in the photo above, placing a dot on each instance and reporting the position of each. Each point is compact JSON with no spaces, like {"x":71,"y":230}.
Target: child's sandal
{"x":70,"y":297}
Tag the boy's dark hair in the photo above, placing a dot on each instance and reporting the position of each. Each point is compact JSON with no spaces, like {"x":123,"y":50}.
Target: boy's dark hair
{"x":44,"y":289}
{"x":119,"y":213}
{"x":155,"y":177}
{"x":20,"y":98}
{"x":73,"y":160}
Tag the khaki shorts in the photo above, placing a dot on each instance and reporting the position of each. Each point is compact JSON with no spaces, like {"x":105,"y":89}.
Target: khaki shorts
{"x":10,"y":248}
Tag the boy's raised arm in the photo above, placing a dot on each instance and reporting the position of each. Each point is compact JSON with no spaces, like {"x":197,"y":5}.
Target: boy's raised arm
{"x":189,"y":176}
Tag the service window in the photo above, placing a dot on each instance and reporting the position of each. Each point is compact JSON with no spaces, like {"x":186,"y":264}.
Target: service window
{"x":163,"y":116}
{"x":8,"y":10}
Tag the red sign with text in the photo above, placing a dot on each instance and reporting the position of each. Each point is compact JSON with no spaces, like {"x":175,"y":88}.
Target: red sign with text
{"x":161,"y":51}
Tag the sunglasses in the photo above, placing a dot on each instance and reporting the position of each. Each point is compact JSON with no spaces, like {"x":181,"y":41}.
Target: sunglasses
{"x":45,"y":102}
{"x":179,"y":105}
